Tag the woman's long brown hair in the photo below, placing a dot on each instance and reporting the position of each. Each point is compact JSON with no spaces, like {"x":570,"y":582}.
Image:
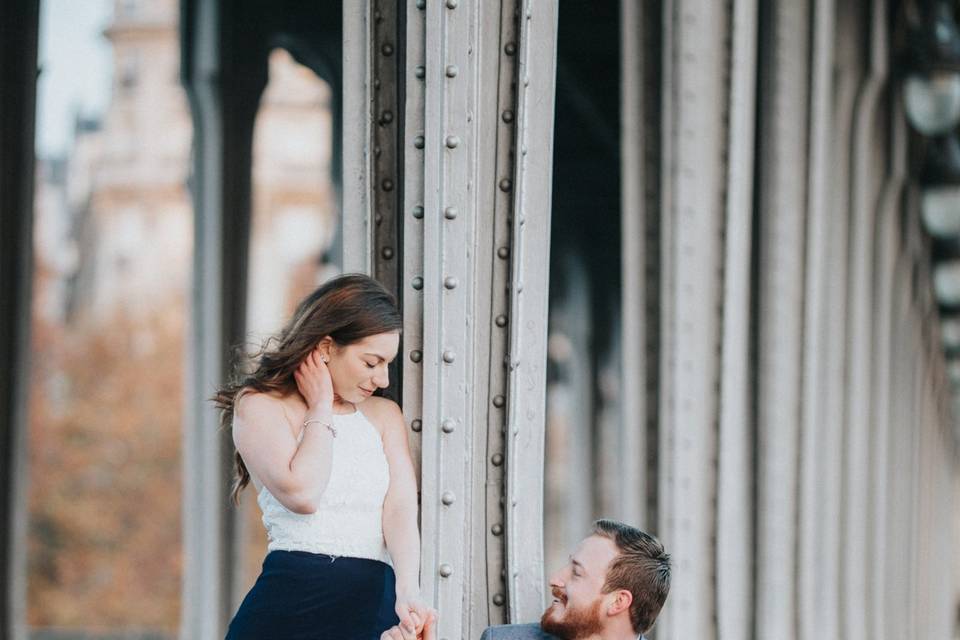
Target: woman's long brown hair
{"x":347,"y":308}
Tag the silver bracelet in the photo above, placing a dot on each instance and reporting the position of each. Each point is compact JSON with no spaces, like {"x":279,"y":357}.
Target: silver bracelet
{"x":329,"y":426}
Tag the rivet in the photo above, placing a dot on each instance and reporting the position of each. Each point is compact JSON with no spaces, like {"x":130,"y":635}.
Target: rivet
{"x":526,"y":81}
{"x":378,"y":16}
{"x":452,"y":142}
{"x":387,"y":49}
{"x":416,"y":425}
{"x":505,"y":184}
{"x":499,"y":401}
{"x":501,"y":320}
{"x":449,"y":356}
{"x":503,"y":252}
{"x":497,"y":459}
{"x":387,"y":184}
{"x":416,"y":356}
{"x":387,"y":253}
{"x":510,"y":49}
{"x":446,"y":570}
{"x":523,"y":150}
{"x":451,"y":4}
{"x":498,"y":599}
{"x":421,"y":4}
{"x":450,"y":282}
{"x":448,"y":425}
{"x":420,"y":72}
{"x":417,"y":283}
{"x":450,"y":213}
{"x":386,"y":117}
{"x":376,"y":83}
{"x":377,"y":151}
{"x":447,"y":498}
{"x":378,"y":218}
{"x":497,"y":529}
{"x":418,"y":212}
{"x":507,"y":116}
{"x":419,"y":142}
{"x":452,"y":71}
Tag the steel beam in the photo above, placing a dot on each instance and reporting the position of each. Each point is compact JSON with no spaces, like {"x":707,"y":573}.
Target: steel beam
{"x":694,"y":162}
{"x":221,"y":191}
{"x":736,"y":448}
{"x":816,"y":306}
{"x":868,"y":144}
{"x":19,"y":27}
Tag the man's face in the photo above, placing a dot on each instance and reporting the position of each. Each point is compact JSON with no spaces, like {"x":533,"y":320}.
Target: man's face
{"x":578,"y":606}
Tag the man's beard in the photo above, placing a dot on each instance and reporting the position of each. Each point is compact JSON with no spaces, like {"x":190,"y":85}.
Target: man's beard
{"x":580,"y":622}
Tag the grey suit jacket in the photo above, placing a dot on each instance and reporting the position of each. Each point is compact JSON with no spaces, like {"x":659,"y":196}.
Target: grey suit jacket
{"x":516,"y":632}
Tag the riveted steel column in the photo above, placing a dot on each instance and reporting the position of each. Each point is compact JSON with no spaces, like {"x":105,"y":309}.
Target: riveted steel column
{"x":846,"y":81}
{"x":886,"y":247}
{"x":371,"y":154}
{"x":527,"y":357}
{"x":696,"y":63}
{"x":483,"y":230}
{"x":358,"y":99}
{"x":212,"y":69}
{"x":783,"y":198}
{"x":813,"y":486}
{"x":19,"y":26}
{"x":734,"y":586}
{"x":412,"y":211}
{"x":868,"y":145}
{"x":633,"y":441}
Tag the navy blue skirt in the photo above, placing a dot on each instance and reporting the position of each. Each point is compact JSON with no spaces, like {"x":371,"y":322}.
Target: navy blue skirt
{"x":311,"y":596}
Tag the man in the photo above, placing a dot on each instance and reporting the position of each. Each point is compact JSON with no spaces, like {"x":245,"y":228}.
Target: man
{"x":613,"y":587}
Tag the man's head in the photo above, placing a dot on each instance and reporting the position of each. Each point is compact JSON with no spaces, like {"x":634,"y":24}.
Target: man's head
{"x":618,"y":577}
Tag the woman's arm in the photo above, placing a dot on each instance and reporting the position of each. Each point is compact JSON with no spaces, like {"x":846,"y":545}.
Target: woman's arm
{"x":295,"y":473}
{"x":400,"y":514}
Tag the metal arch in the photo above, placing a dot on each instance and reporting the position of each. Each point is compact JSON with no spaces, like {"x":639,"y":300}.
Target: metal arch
{"x":694,"y":182}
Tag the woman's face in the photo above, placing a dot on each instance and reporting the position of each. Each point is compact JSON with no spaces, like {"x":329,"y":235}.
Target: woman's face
{"x":360,"y":368}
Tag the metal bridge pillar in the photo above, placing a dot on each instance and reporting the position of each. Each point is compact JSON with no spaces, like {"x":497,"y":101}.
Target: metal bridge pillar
{"x":447,"y":179}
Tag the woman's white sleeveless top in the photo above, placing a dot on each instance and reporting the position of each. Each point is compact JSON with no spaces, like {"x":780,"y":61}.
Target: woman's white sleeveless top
{"x":348,"y":521}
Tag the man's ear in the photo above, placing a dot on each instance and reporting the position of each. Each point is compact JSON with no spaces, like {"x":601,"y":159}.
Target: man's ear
{"x":621,"y":602}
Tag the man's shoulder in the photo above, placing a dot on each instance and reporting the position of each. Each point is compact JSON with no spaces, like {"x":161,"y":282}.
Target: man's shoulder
{"x":516,"y":632}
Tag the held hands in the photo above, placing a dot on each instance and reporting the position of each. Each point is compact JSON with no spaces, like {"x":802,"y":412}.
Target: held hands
{"x":417,"y":620}
{"x":313,"y":380}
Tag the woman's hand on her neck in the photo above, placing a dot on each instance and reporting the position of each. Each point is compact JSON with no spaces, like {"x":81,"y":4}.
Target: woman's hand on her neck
{"x":314,"y":383}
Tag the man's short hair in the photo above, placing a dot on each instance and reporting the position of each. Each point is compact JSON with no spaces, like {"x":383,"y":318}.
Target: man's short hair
{"x":642,"y":568}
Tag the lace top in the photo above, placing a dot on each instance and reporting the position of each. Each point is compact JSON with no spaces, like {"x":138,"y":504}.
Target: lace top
{"x":348,"y":520}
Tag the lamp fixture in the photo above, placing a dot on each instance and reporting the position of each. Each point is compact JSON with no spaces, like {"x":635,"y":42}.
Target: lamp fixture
{"x":932,"y":89}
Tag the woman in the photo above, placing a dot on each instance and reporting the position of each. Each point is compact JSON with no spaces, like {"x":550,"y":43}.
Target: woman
{"x":333,"y":473}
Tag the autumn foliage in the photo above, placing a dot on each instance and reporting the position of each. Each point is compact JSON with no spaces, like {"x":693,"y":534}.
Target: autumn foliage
{"x":104,"y":472}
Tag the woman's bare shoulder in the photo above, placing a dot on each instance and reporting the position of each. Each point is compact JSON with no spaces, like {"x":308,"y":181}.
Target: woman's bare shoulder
{"x":384,"y":413}
{"x":253,"y":407}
